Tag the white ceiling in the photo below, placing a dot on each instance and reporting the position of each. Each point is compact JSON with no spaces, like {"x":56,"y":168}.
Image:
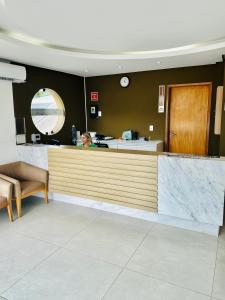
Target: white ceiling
{"x":103,"y":37}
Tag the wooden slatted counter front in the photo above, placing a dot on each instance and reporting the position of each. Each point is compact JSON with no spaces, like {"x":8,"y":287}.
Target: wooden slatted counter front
{"x":121,"y":177}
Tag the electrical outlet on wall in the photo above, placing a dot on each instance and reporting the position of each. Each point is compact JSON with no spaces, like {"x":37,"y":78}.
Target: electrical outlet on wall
{"x":151,"y":128}
{"x":99,"y":113}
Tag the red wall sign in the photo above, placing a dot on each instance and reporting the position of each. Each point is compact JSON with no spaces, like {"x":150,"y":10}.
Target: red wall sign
{"x":94,"y":96}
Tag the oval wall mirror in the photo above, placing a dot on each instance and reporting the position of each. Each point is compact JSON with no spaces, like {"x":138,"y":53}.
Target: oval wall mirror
{"x":47,"y":111}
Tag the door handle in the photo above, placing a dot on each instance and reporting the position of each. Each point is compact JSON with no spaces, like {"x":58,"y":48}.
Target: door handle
{"x":172,"y":134}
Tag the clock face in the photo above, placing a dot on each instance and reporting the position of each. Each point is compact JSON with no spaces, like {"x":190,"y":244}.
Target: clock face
{"x":124,"y":81}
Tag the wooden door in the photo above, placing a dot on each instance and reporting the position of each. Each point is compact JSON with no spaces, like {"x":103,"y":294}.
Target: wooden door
{"x":189,"y":113}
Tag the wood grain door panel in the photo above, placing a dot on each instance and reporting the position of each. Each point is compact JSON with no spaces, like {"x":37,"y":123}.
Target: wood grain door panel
{"x":189,"y":119}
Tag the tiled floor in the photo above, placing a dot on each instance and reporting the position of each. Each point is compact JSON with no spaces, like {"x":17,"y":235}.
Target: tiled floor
{"x":63,"y":251}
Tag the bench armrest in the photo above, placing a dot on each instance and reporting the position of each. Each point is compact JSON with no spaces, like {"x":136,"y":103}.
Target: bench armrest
{"x":16,"y":185}
{"x":6,"y":189}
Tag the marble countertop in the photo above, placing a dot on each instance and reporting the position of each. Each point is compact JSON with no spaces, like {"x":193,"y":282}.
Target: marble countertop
{"x":119,"y":141}
{"x":169,"y":154}
{"x":34,"y":145}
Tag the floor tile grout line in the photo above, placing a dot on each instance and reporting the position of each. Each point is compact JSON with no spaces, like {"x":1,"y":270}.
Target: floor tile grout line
{"x":187,"y":230}
{"x":38,"y":264}
{"x":157,"y":278}
{"x":210,"y":295}
{"x":46,"y":258}
{"x":54,"y":244}
{"x":83,"y":229}
{"x":37,"y":239}
{"x":97,"y":258}
{"x":92,"y":257}
{"x":215,"y":268}
{"x":32,"y":269}
{"x":124,"y":267}
{"x":62,"y":246}
{"x":169,"y":282}
{"x":59,"y":247}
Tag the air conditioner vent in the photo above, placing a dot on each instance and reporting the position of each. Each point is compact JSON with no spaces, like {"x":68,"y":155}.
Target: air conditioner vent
{"x":6,"y":79}
{"x":12,"y":73}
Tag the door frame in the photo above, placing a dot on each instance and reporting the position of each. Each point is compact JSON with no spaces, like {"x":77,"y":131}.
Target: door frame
{"x":168,"y":92}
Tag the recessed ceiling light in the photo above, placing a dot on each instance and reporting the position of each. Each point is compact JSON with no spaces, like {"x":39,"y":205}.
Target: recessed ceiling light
{"x":158,"y":62}
{"x":86,"y":70}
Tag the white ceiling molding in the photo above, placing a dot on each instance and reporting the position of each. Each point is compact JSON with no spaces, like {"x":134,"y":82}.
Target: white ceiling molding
{"x":182,"y":50}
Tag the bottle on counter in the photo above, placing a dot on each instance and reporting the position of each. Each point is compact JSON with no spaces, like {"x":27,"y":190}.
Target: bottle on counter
{"x":79,"y":140}
{"x":74,"y":135}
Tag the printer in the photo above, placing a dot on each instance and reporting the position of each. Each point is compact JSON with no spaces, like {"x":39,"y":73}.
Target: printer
{"x":130,"y":135}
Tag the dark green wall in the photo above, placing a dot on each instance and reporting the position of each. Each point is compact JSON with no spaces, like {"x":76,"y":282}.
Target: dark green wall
{"x":136,"y":107}
{"x":70,"y":89}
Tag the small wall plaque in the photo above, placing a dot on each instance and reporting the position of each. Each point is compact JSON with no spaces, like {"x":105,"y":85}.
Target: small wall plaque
{"x":219,"y":108}
{"x":161,"y":102}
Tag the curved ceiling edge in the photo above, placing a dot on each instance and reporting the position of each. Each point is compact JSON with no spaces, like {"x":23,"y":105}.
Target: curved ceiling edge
{"x":181,"y":50}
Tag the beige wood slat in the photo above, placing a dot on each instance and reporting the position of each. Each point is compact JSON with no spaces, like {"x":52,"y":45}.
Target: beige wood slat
{"x":62,"y":156}
{"x":151,"y":186}
{"x":86,"y":165}
{"x":102,"y":195}
{"x":141,"y":183}
{"x":104,"y":157}
{"x":93,"y":153}
{"x":114,"y":190}
{"x":89,"y":170}
{"x":147,"y":208}
{"x":152,"y":191}
{"x":104,"y":162}
{"x":121,"y":178}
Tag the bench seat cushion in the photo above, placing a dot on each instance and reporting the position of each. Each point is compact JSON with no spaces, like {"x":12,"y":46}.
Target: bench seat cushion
{"x":30,"y":186}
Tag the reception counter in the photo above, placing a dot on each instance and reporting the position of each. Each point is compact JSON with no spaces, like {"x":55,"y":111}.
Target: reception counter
{"x":184,"y":191}
{"x":122,"y":178}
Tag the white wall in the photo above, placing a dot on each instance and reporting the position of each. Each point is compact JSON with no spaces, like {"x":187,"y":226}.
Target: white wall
{"x":7,"y":124}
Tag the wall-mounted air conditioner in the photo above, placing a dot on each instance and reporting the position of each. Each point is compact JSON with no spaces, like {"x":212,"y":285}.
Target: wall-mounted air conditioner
{"x":12,"y":73}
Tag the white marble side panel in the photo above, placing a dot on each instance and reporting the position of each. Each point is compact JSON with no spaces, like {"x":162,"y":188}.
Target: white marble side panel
{"x":191,"y":188}
{"x":137,"y":213}
{"x":34,"y":155}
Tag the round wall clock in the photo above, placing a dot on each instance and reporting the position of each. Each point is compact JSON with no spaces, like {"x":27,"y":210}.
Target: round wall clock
{"x":124,"y":81}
